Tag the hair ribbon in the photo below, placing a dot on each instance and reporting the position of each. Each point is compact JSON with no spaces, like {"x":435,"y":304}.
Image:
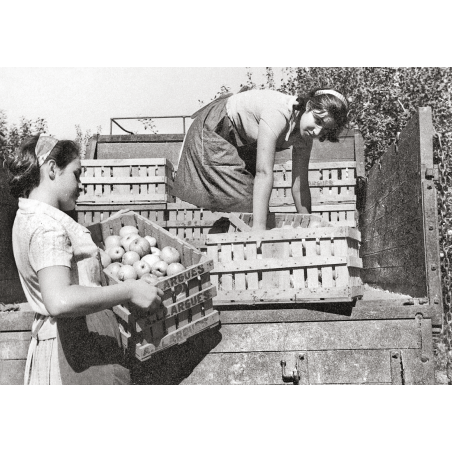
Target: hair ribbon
{"x":333,"y":93}
{"x":44,"y":147}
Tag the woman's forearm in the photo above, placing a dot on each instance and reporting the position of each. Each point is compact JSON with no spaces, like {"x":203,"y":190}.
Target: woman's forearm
{"x":63,"y":299}
{"x":302,"y":198}
{"x":263,"y":185}
{"x":77,"y":300}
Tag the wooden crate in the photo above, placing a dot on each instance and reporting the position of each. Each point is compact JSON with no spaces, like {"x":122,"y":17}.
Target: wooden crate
{"x":88,"y":214}
{"x":332,"y":186}
{"x":123,"y":181}
{"x":187,"y":301}
{"x":192,"y":224}
{"x":295,"y":265}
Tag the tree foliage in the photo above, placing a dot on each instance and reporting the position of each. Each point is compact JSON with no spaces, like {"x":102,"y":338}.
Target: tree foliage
{"x":13,"y":135}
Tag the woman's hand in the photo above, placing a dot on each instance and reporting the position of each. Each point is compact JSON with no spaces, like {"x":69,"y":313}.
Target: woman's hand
{"x":145,"y":296}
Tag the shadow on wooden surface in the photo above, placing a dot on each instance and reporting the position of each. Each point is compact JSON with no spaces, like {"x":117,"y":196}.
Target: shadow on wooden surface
{"x":174,"y":365}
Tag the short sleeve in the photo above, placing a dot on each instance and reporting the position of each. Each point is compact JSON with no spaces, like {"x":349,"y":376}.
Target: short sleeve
{"x":50,"y":246}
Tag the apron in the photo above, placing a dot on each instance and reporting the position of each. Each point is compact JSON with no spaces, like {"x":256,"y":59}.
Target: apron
{"x":216,"y":168}
{"x":89,"y":347}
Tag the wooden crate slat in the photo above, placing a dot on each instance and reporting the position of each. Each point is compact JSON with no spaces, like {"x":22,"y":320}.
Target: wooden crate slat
{"x":239,"y":278}
{"x":284,"y":234}
{"x":154,"y":161}
{"x":225,"y":258}
{"x":123,"y":198}
{"x":178,"y":336}
{"x":313,"y":165}
{"x":135,"y":178}
{"x":297,"y":295}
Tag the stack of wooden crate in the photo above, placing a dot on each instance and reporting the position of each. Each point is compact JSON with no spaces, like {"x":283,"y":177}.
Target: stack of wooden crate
{"x":187,"y":307}
{"x":333,"y":172}
{"x":144,"y":185}
{"x":332,"y":186}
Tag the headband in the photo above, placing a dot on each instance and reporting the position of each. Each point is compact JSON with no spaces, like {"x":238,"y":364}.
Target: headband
{"x":44,"y":147}
{"x":333,"y":93}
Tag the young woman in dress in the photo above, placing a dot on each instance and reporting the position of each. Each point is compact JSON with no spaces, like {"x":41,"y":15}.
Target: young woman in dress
{"x":75,"y":335}
{"x":227,"y":159}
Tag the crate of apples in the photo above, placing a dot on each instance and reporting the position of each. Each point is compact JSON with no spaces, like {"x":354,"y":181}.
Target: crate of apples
{"x":132,"y":247}
{"x":131,"y":256}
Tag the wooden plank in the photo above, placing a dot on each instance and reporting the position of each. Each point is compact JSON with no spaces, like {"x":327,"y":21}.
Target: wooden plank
{"x":349,"y":367}
{"x":431,"y":241}
{"x":318,"y":336}
{"x":238,"y":369}
{"x":14,"y":345}
{"x":16,"y":321}
{"x":327,"y":312}
{"x":132,"y":151}
{"x":12,"y":372}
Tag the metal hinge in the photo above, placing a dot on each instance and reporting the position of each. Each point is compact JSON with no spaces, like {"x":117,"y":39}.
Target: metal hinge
{"x":299,"y":374}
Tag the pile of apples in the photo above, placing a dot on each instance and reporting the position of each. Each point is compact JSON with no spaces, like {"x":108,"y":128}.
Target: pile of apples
{"x":130,"y":256}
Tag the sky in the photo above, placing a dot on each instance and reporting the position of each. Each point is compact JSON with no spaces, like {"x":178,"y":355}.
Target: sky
{"x":90,"y":96}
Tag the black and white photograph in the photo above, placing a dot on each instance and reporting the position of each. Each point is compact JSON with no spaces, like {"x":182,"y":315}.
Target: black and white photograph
{"x":173,"y":216}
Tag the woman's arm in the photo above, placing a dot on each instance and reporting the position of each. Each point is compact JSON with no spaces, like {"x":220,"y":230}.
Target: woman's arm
{"x":300,"y":186}
{"x":62,"y":299}
{"x":263,"y":183}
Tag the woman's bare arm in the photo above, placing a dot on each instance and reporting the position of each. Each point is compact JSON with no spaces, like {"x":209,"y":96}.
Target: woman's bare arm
{"x":263,"y":183}
{"x":300,"y":169}
{"x":62,"y":299}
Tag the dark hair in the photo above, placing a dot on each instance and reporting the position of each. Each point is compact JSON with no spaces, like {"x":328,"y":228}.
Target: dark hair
{"x":22,"y":164}
{"x":329,"y":103}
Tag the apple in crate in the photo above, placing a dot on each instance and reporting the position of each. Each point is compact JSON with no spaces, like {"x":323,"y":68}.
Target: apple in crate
{"x":113,"y":269}
{"x":159,"y":268}
{"x":150,"y":259}
{"x":152,"y":240}
{"x":141,"y":267}
{"x":104,"y":258}
{"x":127,"y":272}
{"x":116,"y":253}
{"x":174,"y":268}
{"x":141,"y":246}
{"x":130,"y":257}
{"x":112,"y":240}
{"x":127,"y":230}
{"x":128,"y":239}
{"x":155,"y":251}
{"x":150,"y":279}
{"x":169,"y":255}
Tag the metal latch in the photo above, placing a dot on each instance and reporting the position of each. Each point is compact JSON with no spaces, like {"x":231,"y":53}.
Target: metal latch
{"x":298,"y":373}
{"x":432,"y":173}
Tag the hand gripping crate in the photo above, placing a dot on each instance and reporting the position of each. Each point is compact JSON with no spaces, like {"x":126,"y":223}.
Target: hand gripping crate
{"x":288,"y":264}
{"x":187,"y":307}
{"x":332,"y":186}
{"x":125,"y":181}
